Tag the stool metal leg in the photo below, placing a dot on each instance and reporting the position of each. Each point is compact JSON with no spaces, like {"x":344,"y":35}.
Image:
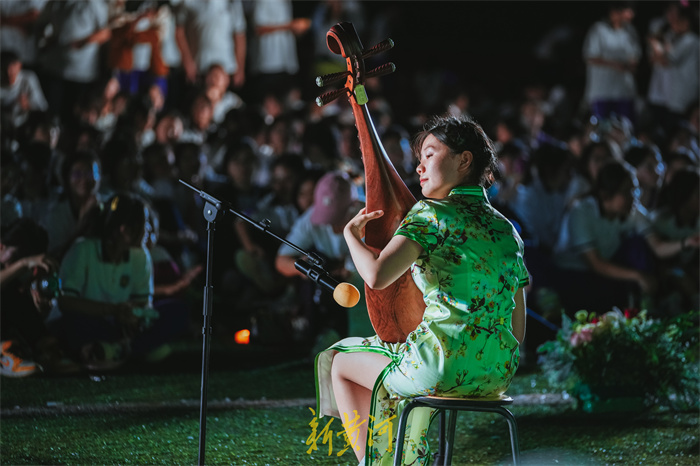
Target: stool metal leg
{"x":401,"y":432}
{"x":451,"y":427}
{"x":513,"y":428}
{"x":440,"y":455}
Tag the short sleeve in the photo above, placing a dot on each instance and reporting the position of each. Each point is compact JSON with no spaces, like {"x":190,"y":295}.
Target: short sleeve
{"x":238,"y":23}
{"x":580,"y":228}
{"x":591,"y":44}
{"x":142,"y":273}
{"x":421,"y":225}
{"x":641,"y":222}
{"x":300,"y":235}
{"x":72,"y":272}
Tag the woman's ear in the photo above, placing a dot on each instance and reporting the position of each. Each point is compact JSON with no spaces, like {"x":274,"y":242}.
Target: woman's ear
{"x":465,"y":161}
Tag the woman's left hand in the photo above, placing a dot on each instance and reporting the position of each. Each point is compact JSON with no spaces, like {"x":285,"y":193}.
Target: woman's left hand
{"x":356,"y":226}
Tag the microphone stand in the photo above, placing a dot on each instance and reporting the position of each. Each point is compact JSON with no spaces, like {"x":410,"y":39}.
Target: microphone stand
{"x":212,"y":208}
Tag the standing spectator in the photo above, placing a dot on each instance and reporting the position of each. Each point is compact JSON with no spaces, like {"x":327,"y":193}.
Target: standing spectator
{"x":274,"y":60}
{"x":70,"y":34}
{"x":17,"y":28}
{"x":675,"y":58}
{"x":611,"y":50}
{"x":212,"y":32}
{"x":134,"y":51}
{"x":21,"y":91}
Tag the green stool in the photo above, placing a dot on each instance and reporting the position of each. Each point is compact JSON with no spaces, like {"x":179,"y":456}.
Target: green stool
{"x":451,"y":406}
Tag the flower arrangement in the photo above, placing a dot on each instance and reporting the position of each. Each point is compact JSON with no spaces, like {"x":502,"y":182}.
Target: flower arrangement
{"x":627,"y":355}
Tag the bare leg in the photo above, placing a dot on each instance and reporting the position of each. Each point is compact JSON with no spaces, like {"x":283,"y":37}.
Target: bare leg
{"x":354,"y":375}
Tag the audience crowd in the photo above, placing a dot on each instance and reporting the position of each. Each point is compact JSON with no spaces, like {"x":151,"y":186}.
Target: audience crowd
{"x":108,"y":104}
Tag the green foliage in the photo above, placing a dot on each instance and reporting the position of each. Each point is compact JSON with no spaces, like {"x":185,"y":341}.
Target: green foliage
{"x":629,"y":353}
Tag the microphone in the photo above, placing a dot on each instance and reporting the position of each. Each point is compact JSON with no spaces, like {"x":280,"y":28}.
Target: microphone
{"x":344,"y":293}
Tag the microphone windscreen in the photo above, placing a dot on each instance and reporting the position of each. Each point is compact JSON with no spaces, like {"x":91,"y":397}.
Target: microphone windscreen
{"x":346,"y":295}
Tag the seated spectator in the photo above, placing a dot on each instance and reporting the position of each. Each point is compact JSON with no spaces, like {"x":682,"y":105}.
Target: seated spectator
{"x":169,"y":286}
{"x":74,"y":208}
{"x":676,"y":218}
{"x":21,"y":91}
{"x":395,"y":140}
{"x":607,"y":244}
{"x":676,"y":161}
{"x":216,"y":87}
{"x":257,"y":256}
{"x":512,"y":160}
{"x":22,"y":257}
{"x":595,"y":154}
{"x":320,"y":230}
{"x":169,"y":127}
{"x":105,"y":308}
{"x":200,"y":121}
{"x":649,"y":166}
{"x":10,"y":170}
{"x":34,"y":190}
{"x":542,"y":198}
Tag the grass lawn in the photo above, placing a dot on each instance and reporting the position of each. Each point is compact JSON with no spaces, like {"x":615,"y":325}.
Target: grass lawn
{"x":149,"y":414}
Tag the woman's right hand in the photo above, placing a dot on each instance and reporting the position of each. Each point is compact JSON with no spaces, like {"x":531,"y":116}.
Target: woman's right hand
{"x":356,"y":226}
{"x":40,"y":260}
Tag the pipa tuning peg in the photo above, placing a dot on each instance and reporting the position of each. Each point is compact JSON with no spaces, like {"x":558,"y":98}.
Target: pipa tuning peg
{"x":381,"y":70}
{"x":379,"y":48}
{"x":329,"y":97}
{"x":328,"y":79}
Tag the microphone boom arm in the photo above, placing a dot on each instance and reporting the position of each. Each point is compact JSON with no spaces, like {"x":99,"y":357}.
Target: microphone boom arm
{"x":263,"y":225}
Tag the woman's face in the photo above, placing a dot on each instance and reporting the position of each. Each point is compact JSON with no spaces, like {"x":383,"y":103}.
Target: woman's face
{"x":83,"y":179}
{"x":305,"y":196}
{"x":283,"y":182}
{"x":620,"y":204}
{"x":241,"y":169}
{"x":438,"y":169}
{"x":649,"y":173}
{"x":597,"y":159}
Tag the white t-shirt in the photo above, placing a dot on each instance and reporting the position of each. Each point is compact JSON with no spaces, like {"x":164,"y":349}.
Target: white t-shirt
{"x":69,"y":21}
{"x":26,"y":84}
{"x":319,"y":238}
{"x":675,"y":86}
{"x":584,"y":228}
{"x":209,"y":27}
{"x":15,"y":39}
{"x":85,"y":274}
{"x":275,"y":52}
{"x":621,"y":45}
{"x":541,"y":211}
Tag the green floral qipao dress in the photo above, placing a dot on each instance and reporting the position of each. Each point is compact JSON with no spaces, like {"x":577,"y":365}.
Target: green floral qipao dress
{"x":469,"y":271}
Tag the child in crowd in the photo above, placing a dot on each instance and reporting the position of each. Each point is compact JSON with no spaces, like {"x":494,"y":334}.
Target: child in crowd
{"x":676,"y":218}
{"x":649,"y":167}
{"x":21,"y":91}
{"x":319,"y":230}
{"x":71,"y":213}
{"x":541,"y":199}
{"x":24,"y":307}
{"x":607,"y":244}
{"x":106,"y":312}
